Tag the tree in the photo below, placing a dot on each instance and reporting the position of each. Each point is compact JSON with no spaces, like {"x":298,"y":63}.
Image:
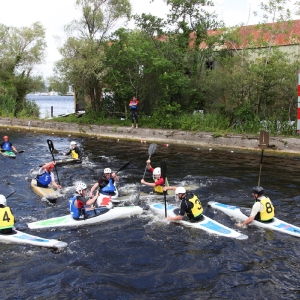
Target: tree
{"x":84,"y":51}
{"x":20,"y":50}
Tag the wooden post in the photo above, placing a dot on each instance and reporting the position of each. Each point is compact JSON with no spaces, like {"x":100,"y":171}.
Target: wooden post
{"x":51,"y":111}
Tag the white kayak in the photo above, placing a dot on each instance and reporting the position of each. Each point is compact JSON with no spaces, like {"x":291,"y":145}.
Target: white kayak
{"x":134,"y":198}
{"x":67,"y":220}
{"x":236,"y":213}
{"x":207,"y":224}
{"x":19,"y":237}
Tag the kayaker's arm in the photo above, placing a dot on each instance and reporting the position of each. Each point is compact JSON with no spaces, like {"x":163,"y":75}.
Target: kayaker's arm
{"x":166,"y":188}
{"x":93,"y":188}
{"x":176,"y":218}
{"x":152,"y":184}
{"x":115,"y":177}
{"x":246,"y":222}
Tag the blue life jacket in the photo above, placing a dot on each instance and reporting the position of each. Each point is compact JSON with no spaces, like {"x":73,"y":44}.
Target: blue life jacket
{"x":75,"y":211}
{"x":44,"y":179}
{"x":6,"y":146}
{"x":133,"y":106}
{"x":109,"y":188}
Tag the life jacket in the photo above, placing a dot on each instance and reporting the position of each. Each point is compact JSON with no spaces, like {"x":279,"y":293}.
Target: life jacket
{"x":133,"y":104}
{"x":109,"y":188}
{"x":75,"y":154}
{"x":7,"y":219}
{"x":160,"y":188}
{"x":195,"y":209}
{"x":75,"y":211}
{"x":44,"y":179}
{"x":6,"y":146}
{"x":268,"y":211}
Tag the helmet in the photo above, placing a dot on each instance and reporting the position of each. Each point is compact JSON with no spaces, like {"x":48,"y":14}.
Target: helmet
{"x":73,"y":143}
{"x":258,"y":190}
{"x":180,"y":190}
{"x":107,"y":170}
{"x":49,"y":167}
{"x":5,"y":137}
{"x":80,"y":187}
{"x":156,"y":171}
{"x":2,"y":200}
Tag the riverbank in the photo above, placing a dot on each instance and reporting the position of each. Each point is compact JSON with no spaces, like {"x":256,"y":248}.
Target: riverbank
{"x":277,"y":145}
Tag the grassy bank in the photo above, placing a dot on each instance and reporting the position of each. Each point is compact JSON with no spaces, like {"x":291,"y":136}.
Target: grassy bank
{"x":192,"y":122}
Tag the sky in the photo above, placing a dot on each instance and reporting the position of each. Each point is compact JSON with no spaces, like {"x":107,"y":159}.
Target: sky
{"x":55,"y":14}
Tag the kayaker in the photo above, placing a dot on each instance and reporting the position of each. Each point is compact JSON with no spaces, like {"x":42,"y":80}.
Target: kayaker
{"x":262,"y":209}
{"x":7,"y":145}
{"x":190,"y":206}
{"x":106,"y":187}
{"x":159,"y":182}
{"x":74,"y":151}
{"x":7,"y":219}
{"x":78,"y":203}
{"x":45,"y":176}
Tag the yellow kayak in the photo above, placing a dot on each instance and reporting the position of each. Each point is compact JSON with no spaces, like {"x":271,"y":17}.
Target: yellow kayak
{"x":47,"y":192}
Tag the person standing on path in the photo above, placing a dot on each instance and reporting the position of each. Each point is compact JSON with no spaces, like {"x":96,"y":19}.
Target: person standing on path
{"x":133,"y":104}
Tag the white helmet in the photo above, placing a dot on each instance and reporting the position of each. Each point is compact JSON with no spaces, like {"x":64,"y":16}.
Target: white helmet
{"x":73,"y":143}
{"x":80,"y":187}
{"x":2,"y":200}
{"x":180,"y":190}
{"x":107,"y":170}
{"x":156,"y":171}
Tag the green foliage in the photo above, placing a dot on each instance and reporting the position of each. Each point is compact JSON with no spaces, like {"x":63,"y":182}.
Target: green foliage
{"x":20,"y":50}
{"x":7,"y":106}
{"x":29,"y":109}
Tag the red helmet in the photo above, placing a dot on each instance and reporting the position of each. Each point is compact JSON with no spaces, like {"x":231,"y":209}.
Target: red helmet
{"x":50,"y":167}
{"x":5,"y":137}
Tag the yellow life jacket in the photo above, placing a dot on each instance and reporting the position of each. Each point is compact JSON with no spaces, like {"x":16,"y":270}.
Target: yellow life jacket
{"x":74,"y":154}
{"x":268,"y":212}
{"x":197,"y":208}
{"x":7,"y":219}
{"x":159,"y":188}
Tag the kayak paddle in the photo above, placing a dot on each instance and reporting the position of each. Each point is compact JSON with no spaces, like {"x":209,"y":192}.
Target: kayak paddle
{"x":21,"y":151}
{"x":10,"y":194}
{"x":163,"y":167}
{"x":151,"y":151}
{"x":51,"y":148}
{"x":263,"y":144}
{"x":123,"y":167}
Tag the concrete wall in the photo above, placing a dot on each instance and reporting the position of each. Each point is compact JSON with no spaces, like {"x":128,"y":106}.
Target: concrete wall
{"x":163,"y":136}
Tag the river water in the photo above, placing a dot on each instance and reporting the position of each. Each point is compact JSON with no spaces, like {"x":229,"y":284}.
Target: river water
{"x":61,"y":104}
{"x":144,"y":257}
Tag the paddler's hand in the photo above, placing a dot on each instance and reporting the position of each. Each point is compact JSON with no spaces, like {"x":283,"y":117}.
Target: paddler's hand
{"x":142,"y":181}
{"x":240,"y":225}
{"x":59,"y":186}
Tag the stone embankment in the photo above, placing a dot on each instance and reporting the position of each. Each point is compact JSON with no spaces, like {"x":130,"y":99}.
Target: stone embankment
{"x":277,"y":145}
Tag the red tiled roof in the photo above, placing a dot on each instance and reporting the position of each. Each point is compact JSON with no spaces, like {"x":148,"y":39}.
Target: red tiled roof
{"x":284,"y":33}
